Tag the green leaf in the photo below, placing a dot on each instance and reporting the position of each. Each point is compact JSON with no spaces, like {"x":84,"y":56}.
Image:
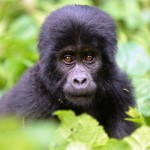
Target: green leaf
{"x":132,"y":112}
{"x":23,"y":27}
{"x":82,"y":129}
{"x":135,"y":116}
{"x":132,"y":58}
{"x":76,"y":146}
{"x":114,"y":144}
{"x":140,"y":139}
{"x":15,"y":134}
{"x":145,"y":108}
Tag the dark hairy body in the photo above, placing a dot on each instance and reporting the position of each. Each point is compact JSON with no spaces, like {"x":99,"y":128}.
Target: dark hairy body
{"x":76,"y":70}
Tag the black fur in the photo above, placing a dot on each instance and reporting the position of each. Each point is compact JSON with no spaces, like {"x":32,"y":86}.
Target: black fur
{"x":40,"y":91}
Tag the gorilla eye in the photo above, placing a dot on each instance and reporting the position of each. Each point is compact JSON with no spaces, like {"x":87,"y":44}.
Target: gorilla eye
{"x":68,"y":59}
{"x":89,"y":58}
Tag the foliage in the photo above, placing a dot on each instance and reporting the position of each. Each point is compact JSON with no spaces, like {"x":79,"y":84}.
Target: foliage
{"x":20,"y":23}
{"x":73,"y":133}
{"x":15,"y":135}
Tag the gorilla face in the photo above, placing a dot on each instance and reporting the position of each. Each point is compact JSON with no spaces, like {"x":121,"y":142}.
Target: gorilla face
{"x":78,"y":48}
{"x":79,"y":65}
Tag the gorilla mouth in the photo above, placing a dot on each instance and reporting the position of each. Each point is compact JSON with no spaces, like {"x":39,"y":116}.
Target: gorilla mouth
{"x":79,"y":99}
{"x":81,"y":95}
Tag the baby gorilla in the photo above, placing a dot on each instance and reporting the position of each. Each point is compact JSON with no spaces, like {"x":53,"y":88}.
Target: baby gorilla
{"x":76,"y":70}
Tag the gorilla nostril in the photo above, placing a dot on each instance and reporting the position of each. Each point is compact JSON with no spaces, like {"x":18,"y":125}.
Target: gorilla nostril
{"x":80,"y":81}
{"x":76,"y":81}
{"x":83,"y":81}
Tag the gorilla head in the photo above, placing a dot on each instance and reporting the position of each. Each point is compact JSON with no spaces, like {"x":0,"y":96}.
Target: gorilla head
{"x":78,"y":44}
{"x":76,"y":70}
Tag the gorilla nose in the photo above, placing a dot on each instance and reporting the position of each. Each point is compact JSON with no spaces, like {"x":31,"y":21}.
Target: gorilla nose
{"x":80,"y":81}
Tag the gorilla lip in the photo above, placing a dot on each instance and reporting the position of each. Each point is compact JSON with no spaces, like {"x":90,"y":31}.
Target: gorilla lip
{"x":79,"y":95}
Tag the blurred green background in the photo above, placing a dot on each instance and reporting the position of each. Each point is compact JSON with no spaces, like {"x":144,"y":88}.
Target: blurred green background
{"x":20,"y":22}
